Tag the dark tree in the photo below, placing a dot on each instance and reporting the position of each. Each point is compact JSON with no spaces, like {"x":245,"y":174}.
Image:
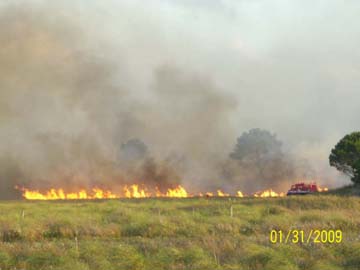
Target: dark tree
{"x":133,"y":149}
{"x":346,"y":156}
{"x":260,"y":159}
{"x":256,"y":145}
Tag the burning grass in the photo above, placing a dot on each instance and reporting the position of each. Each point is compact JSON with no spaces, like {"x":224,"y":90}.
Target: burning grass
{"x":139,"y":191}
{"x":133,"y":191}
{"x":197,"y":233}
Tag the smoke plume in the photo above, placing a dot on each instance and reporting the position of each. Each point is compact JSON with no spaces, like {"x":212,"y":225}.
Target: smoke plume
{"x":79,"y":80}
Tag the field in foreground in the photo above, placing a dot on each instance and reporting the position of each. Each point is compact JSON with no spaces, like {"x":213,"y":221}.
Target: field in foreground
{"x":177,"y":234}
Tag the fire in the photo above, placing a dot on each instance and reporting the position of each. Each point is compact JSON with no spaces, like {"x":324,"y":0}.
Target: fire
{"x":209,"y":194}
{"x":136,"y":191}
{"x":268,"y":193}
{"x":239,"y":194}
{"x":222,"y":194}
{"x":133,"y":191}
{"x":59,"y":194}
{"x":178,"y":192}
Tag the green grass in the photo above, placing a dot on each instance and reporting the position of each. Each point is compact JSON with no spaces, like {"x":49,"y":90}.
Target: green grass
{"x":196,"y":233}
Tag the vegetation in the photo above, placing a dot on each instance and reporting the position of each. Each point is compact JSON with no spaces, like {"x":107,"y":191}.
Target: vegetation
{"x":255,"y":145}
{"x":259,"y":157}
{"x":346,"y":156}
{"x":349,"y":190}
{"x":133,"y":149}
{"x":195,"y":233}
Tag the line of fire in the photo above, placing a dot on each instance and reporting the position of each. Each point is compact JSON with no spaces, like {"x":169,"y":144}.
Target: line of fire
{"x":137,"y":191}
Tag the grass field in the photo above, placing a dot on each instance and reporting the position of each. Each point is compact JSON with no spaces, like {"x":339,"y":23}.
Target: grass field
{"x":196,"y":233}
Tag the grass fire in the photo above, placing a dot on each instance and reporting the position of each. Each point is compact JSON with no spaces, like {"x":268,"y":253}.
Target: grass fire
{"x":179,"y":135}
{"x":138,"y":191}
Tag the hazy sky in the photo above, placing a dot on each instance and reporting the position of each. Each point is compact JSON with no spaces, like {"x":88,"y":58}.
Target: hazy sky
{"x":291,"y":66}
{"x":184,"y":76}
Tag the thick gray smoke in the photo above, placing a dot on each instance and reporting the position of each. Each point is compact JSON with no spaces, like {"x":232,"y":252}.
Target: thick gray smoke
{"x":67,"y":110}
{"x":79,"y":79}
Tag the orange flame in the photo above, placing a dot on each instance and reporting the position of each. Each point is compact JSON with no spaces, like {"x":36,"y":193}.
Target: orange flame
{"x":222,"y":194}
{"x":325,"y":189}
{"x":135,"y":191}
{"x":239,"y":194}
{"x":268,"y":193}
{"x":59,"y":194}
{"x":178,"y":192}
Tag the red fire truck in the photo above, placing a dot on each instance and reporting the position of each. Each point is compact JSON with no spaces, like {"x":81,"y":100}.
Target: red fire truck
{"x":303,"y":189}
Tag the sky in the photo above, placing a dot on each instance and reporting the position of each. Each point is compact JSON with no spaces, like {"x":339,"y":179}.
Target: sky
{"x":78,"y":78}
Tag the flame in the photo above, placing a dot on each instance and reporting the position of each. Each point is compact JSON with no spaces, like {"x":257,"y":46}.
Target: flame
{"x":178,"y":192}
{"x":239,"y":194}
{"x":325,"y":189}
{"x":268,"y":193}
{"x":136,"y":191}
{"x":59,"y":194}
{"x":222,"y":194}
{"x":133,"y":191}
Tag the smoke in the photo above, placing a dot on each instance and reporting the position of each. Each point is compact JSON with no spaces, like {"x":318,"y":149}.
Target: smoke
{"x":66,"y":114}
{"x":79,"y":79}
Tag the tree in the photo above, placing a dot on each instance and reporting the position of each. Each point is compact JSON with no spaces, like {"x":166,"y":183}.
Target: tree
{"x":256,"y":145}
{"x":346,"y":156}
{"x":133,"y":149}
{"x":260,"y":159}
